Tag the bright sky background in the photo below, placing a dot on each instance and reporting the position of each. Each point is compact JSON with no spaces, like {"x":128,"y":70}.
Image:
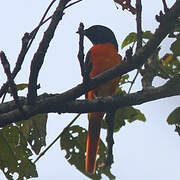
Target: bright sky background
{"x":142,"y":150}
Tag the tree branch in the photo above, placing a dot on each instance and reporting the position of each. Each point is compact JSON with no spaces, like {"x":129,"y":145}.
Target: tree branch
{"x":12,"y":84}
{"x":138,"y":22}
{"x":26,"y":43}
{"x":52,"y":103}
{"x":38,"y":58}
{"x":20,"y":59}
{"x":81,"y":48}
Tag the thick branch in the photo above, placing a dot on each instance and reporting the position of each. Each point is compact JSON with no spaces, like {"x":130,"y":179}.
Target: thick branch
{"x":38,"y":58}
{"x":52,"y":103}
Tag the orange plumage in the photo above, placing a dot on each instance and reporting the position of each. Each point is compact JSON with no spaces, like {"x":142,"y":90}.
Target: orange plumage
{"x":103,"y":56}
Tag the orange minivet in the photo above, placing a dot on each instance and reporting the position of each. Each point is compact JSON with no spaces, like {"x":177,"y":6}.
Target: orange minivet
{"x":103,"y":56}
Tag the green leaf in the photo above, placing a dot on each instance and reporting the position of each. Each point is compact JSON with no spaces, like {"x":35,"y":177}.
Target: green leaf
{"x":174,"y":117}
{"x":129,"y":39}
{"x":124,"y":79}
{"x":132,"y":37}
{"x":147,"y":35}
{"x":128,"y":113}
{"x":19,"y":87}
{"x":14,"y":151}
{"x":170,"y":66}
{"x":73,"y":141}
{"x":14,"y":154}
{"x":134,"y":114}
{"x":34,"y":131}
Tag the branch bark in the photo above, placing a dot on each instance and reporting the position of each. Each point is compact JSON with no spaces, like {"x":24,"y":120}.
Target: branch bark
{"x":52,"y":103}
{"x":12,"y":84}
{"x":38,"y":58}
{"x":19,"y":62}
{"x":139,"y":24}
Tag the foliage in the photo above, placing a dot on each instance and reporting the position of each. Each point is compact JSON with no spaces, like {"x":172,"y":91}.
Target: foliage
{"x":19,"y":87}
{"x":124,"y":79}
{"x":122,"y":115}
{"x":14,"y":146}
{"x":73,"y":141}
{"x":169,"y":66}
{"x":14,"y":154}
{"x":34,"y":131}
{"x":132,"y":38}
{"x":174,"y":119}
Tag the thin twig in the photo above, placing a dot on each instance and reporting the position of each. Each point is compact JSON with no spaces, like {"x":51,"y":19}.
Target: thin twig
{"x":17,"y":68}
{"x":41,"y":24}
{"x":67,"y":127}
{"x":133,"y":81}
{"x":139,"y":34}
{"x":44,"y":21}
{"x":166,"y":9}
{"x":138,"y":21}
{"x":81,"y":48}
{"x":34,"y":32}
{"x":109,"y":138}
{"x":26,"y":44}
{"x":20,"y":59}
{"x":69,"y":5}
{"x":12,"y":84}
{"x":3,"y":98}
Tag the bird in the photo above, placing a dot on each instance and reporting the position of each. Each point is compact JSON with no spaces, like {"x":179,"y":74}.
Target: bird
{"x":103,"y":55}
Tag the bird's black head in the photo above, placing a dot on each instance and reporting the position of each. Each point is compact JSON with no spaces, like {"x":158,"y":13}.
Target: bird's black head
{"x":98,"y":34}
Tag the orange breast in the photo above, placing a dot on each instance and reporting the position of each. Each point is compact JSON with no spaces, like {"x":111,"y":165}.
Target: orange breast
{"x":104,"y":57}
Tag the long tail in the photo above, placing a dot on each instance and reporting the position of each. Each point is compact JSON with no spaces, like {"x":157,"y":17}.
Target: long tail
{"x":93,"y":140}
